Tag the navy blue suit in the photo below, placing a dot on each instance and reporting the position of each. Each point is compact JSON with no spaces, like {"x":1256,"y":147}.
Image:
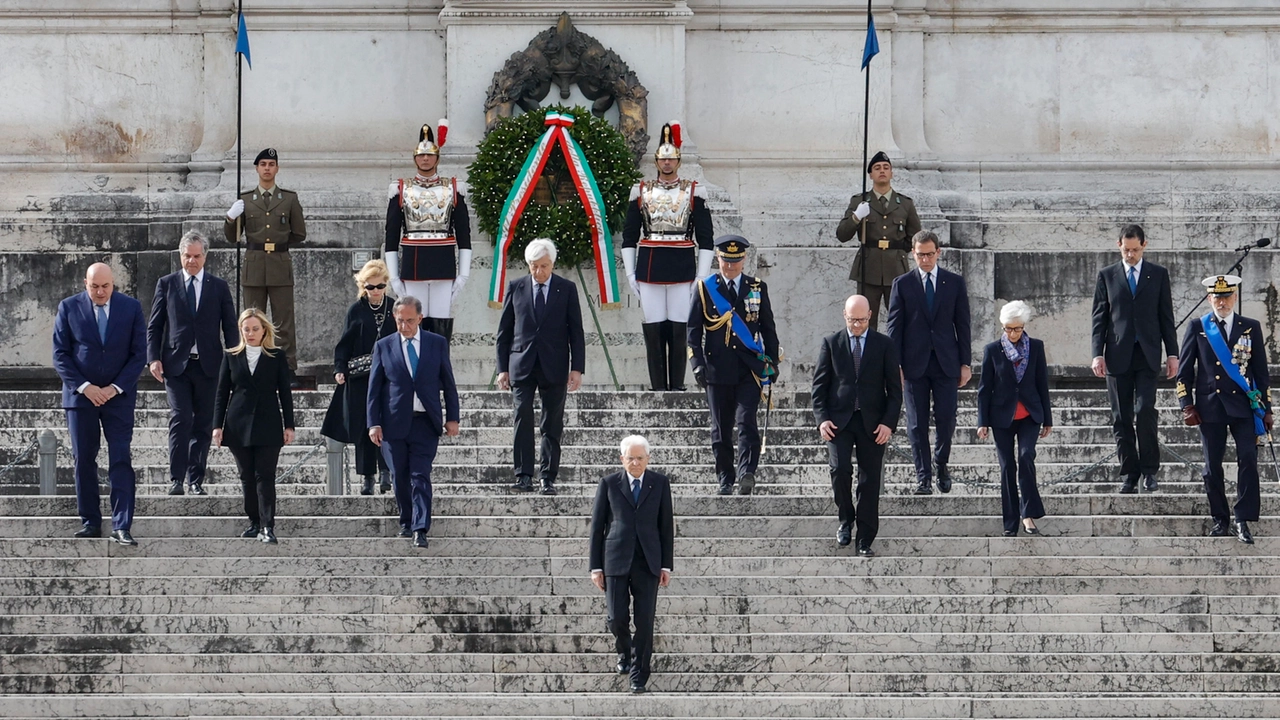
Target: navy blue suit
{"x":409,"y":439}
{"x":999,"y":393}
{"x":190,"y":376}
{"x":80,"y":356}
{"x":933,"y":344}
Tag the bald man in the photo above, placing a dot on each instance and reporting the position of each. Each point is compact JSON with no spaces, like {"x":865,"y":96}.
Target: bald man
{"x":857,"y":399}
{"x":99,"y":351}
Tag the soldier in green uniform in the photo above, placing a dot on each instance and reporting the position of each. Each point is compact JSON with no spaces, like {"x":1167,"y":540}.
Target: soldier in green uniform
{"x":885,"y":221}
{"x":272,"y":222}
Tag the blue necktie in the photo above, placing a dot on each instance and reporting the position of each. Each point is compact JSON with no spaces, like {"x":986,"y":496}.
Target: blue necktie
{"x":102,"y":323}
{"x":540,"y":301}
{"x":413,"y":359}
{"x":928,"y":290}
{"x":191,"y":295}
{"x":1133,"y":281}
{"x":635,"y":491}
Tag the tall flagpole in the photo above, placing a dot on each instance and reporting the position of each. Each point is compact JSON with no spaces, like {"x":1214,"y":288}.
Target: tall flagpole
{"x":239,"y":127}
{"x":866,"y":125}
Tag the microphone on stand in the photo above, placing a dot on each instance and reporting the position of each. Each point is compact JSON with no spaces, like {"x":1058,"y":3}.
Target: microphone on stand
{"x":1253,"y":245}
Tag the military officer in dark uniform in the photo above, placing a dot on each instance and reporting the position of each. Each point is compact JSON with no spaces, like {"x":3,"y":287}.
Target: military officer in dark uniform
{"x":667,"y":222}
{"x":885,"y":221}
{"x":426,"y":222}
{"x":734,"y":346}
{"x":1223,"y":386}
{"x":271,"y":218}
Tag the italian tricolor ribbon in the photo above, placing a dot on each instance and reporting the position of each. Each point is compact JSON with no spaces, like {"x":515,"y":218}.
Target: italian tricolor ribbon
{"x":584,"y":180}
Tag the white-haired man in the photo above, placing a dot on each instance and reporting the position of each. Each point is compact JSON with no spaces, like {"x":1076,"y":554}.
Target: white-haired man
{"x":632,"y":553}
{"x":541,"y":348}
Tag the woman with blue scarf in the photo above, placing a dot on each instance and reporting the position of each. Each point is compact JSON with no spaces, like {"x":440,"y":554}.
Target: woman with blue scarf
{"x":1013,"y":404}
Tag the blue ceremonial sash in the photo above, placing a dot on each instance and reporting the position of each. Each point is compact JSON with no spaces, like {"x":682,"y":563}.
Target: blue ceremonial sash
{"x":1219,"y":346}
{"x":740,"y":329}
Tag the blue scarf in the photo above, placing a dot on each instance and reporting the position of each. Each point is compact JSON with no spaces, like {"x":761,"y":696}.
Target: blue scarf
{"x":1017,"y":354}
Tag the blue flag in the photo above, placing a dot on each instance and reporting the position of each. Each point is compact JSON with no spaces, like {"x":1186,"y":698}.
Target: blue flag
{"x":870,"y":50}
{"x":242,"y":42}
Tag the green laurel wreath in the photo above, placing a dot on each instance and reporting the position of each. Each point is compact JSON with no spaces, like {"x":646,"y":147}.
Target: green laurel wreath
{"x":500,"y":157}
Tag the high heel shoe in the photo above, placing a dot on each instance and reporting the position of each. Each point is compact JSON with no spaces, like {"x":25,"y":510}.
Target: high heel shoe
{"x":1031,"y":529}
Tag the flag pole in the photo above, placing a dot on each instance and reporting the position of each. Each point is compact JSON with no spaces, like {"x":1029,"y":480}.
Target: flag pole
{"x":239,"y":127}
{"x":866,"y":125}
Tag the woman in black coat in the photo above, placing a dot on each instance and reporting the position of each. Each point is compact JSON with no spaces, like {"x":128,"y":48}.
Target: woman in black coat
{"x":253,"y":416}
{"x":1013,"y":402}
{"x":368,"y":320}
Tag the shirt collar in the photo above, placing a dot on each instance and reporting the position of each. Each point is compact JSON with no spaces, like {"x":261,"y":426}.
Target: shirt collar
{"x":887,"y":196}
{"x":863,"y":335}
{"x":932,"y":273}
{"x":632,"y":478}
{"x":417,"y":336}
{"x":94,"y":303}
{"x":1226,"y":320}
{"x":198,"y":276}
{"x":264,"y":191}
{"x":1137,"y":266}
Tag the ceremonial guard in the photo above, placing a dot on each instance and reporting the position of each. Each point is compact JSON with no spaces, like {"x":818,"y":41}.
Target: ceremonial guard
{"x":885,"y":221}
{"x":426,"y":222}
{"x":1223,"y":385}
{"x":734,"y":344}
{"x":272,"y":226}
{"x":667,"y":221}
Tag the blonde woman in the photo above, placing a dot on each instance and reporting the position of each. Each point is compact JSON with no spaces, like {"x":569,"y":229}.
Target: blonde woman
{"x":368,"y":321}
{"x":253,"y":413}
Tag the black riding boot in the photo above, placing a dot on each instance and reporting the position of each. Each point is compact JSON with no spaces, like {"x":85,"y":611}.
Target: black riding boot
{"x":677,"y":353}
{"x":444,"y":326}
{"x":656,"y":355}
{"x":367,"y":487}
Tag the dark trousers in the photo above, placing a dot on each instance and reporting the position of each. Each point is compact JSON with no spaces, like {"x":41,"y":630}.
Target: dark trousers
{"x":875,"y":295}
{"x":619,"y":590}
{"x":944,"y":392}
{"x":552,"y":425}
{"x":88,"y":425}
{"x":369,"y":458}
{"x":190,"y":422}
{"x":1019,"y":496}
{"x":862,"y":506}
{"x":734,"y":405}
{"x":257,"y":465}
{"x":1213,"y":438}
{"x":281,"y":299}
{"x":1134,"y":392}
{"x":410,"y":460}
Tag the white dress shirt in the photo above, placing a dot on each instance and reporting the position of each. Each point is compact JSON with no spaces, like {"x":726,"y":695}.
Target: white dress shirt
{"x":417,"y":348}
{"x":253,"y":354}
{"x":546,"y":289}
{"x":731,"y":285}
{"x":932,"y":274}
{"x":1137,"y":275}
{"x":1226,"y":323}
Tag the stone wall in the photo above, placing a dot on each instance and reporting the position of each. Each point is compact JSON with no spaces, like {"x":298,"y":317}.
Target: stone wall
{"x":1028,"y":131}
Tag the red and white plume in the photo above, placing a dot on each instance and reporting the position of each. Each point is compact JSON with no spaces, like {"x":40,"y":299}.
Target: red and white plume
{"x":442,"y":131}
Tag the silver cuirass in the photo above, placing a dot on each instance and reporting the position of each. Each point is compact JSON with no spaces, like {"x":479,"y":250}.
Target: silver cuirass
{"x":667,"y":207}
{"x":428,"y":204}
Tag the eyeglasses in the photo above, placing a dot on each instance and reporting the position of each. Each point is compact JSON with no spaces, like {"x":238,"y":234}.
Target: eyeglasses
{"x":379,"y":286}
{"x":858,"y":320}
{"x":1013,"y":328}
{"x":926,"y":255}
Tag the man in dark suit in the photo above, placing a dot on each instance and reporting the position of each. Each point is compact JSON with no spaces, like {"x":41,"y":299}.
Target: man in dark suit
{"x":1224,"y":385}
{"x":410,"y":371}
{"x":929,"y":325}
{"x":733,"y":345}
{"x":857,"y":398}
{"x":541,"y":348}
{"x":99,"y":350}
{"x":191,"y":309}
{"x":1132,"y":317}
{"x":632,"y":554}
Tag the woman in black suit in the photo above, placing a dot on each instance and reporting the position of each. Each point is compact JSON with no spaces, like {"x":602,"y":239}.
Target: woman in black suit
{"x":253,"y":413}
{"x":1013,"y":402}
{"x":368,"y":320}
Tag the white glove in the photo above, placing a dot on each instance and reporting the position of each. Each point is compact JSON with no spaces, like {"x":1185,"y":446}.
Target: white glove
{"x":458,"y":284}
{"x":392,"y":259}
{"x":862,"y":211}
{"x":704,"y":263}
{"x":635,"y":286}
{"x":237,"y":209}
{"x":464,"y":272}
{"x":629,"y":266}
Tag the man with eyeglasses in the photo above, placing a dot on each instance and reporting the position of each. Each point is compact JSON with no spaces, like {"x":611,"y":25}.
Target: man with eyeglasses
{"x":929,"y":324}
{"x":857,"y":399}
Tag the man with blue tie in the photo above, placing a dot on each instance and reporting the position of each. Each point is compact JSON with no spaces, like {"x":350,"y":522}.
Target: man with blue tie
{"x":929,"y":324}
{"x":191,"y":309}
{"x":99,"y":350}
{"x":410,"y":371}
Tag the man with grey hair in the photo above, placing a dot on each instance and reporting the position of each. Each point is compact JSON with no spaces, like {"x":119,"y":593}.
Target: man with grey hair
{"x":541,"y":347}
{"x":632,"y":548}
{"x":193,"y":318}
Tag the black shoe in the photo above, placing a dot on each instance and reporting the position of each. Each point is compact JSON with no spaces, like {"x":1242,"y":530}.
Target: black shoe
{"x":420,"y":539}
{"x":746,"y":483}
{"x":198,"y":489}
{"x":944,"y":479}
{"x":1033,"y":530}
{"x":1221,"y":528}
{"x":866,"y":551}
{"x":638,"y":689}
{"x":252,"y":532}
{"x":1011,"y":533}
{"x":122,"y":537}
{"x":176,"y":488}
{"x":404,"y":532}
{"x":384,"y":486}
{"x":367,"y":487}
{"x":1242,"y":532}
{"x":267,"y":535}
{"x":624,"y":664}
{"x":1149,"y":483}
{"x":524,"y":483}
{"x":844,"y":535}
{"x":89,"y":531}
{"x":1130,"y":486}
{"x":548,"y":486}
{"x":725,"y":489}
{"x":924,"y":488}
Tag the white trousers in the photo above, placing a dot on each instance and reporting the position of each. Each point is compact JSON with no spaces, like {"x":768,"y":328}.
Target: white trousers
{"x":435,"y":296}
{"x":666,"y":302}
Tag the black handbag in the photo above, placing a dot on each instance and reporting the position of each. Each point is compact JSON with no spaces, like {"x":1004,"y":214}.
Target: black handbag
{"x":359,"y":366}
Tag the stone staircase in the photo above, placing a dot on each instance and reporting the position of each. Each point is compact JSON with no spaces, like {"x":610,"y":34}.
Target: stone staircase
{"x":1121,"y":609}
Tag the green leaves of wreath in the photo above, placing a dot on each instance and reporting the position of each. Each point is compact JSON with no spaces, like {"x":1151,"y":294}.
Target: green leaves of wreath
{"x":500,"y":157}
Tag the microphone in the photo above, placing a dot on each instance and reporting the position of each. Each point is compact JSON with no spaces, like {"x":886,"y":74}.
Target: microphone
{"x":1259,"y":244}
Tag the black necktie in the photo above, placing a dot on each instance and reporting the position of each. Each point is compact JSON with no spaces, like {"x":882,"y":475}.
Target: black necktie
{"x":191,"y":294}
{"x":732,"y":287}
{"x":857,"y":366}
{"x":540,"y":301}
